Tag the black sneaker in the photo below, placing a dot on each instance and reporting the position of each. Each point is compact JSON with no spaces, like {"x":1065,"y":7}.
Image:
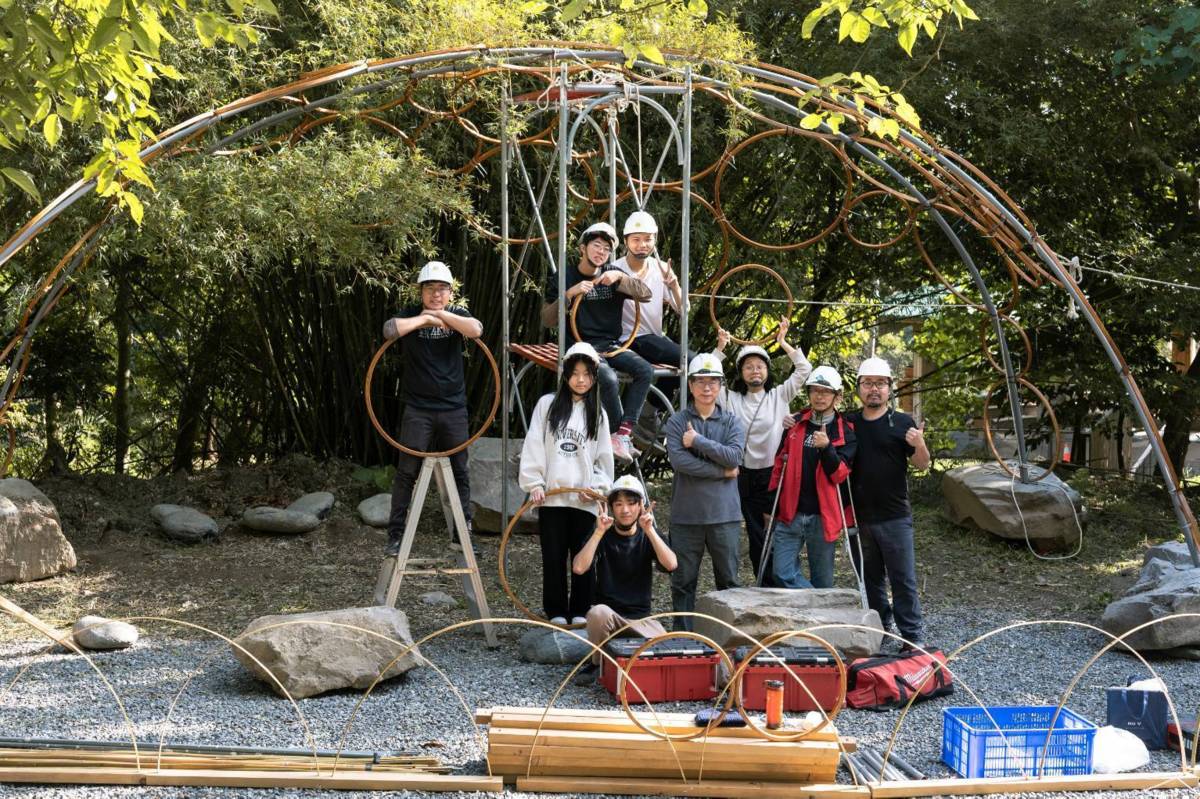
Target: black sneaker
{"x":586,"y":676}
{"x":392,"y":549}
{"x":456,"y":545}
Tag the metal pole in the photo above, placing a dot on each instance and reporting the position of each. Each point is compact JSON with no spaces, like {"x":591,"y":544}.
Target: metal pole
{"x":564,"y":155}
{"x":504,"y":318}
{"x":612,"y":167}
{"x":685,"y":245}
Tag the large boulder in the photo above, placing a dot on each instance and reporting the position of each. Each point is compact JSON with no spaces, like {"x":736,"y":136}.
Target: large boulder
{"x":32,"y":544}
{"x":184,"y":524}
{"x":982,"y":497}
{"x":539,"y":645}
{"x":318,"y":503}
{"x":1167,"y":585}
{"x":265,"y":519}
{"x":309,"y":653}
{"x":759,"y":612}
{"x":376,"y":510}
{"x":99,"y":633}
{"x":486,"y":480}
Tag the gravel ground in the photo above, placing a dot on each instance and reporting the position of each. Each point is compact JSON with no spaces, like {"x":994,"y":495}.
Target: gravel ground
{"x":61,"y":697}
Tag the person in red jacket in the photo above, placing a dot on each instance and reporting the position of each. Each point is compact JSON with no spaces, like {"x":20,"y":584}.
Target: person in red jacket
{"x":811,"y":467}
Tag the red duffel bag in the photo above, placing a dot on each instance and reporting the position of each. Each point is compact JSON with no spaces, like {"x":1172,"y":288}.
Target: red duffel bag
{"x":887,"y":681}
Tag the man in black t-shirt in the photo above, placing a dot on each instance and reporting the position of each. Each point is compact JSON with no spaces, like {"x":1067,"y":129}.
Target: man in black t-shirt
{"x":624,"y":550}
{"x":435,"y":399}
{"x":887,"y":442}
{"x":605,"y":288}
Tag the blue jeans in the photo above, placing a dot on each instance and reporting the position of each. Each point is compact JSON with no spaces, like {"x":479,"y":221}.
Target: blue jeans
{"x":887,"y":552}
{"x":689,"y":541}
{"x":640,"y":372}
{"x":789,"y":540}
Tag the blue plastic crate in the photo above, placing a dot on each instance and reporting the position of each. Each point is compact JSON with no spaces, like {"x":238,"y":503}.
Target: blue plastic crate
{"x":974,"y":747}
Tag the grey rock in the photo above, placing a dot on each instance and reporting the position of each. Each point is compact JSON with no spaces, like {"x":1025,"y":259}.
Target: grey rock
{"x":555,"y":647}
{"x":1162,"y":589}
{"x":439,"y":599}
{"x":486,"y":479}
{"x":759,"y":612}
{"x":981,"y":497}
{"x":311,"y":653}
{"x":97,"y":632}
{"x":1175,"y":552}
{"x":32,"y":544}
{"x":274,"y":520}
{"x":184,"y":524}
{"x":376,"y":510}
{"x":318,"y":503}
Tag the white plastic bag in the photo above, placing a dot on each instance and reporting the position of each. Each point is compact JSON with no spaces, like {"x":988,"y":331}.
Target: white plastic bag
{"x":1115,"y":750}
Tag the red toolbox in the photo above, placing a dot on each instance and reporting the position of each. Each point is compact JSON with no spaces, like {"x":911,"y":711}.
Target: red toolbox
{"x":812,"y":664}
{"x":669,"y":671}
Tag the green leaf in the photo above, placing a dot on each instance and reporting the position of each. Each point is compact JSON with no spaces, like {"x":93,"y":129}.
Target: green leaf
{"x":698,"y":8}
{"x":573,"y":9}
{"x":22,"y":180}
{"x":116,"y":9}
{"x":875,"y":16}
{"x":811,"y":121}
{"x":651,"y":52}
{"x":206,"y":29}
{"x":136,"y":211}
{"x":52,"y":129}
{"x":810,"y":22}
{"x":266,"y":7}
{"x":238,"y":7}
{"x":908,"y":37}
{"x":534,"y":7}
{"x":847,"y":24}
{"x":860,"y":31}
{"x":105,"y":32}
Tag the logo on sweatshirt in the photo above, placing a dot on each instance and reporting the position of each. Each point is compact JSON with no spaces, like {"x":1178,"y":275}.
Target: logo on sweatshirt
{"x":570,"y":442}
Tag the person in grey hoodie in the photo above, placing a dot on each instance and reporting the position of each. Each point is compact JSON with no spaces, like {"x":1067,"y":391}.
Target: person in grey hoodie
{"x":704,"y":443}
{"x":568,"y":446}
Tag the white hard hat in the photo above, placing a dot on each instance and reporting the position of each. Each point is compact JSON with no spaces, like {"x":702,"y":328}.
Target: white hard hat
{"x":435,"y":270}
{"x":640,"y":222}
{"x":627,"y":482}
{"x":705,"y":365}
{"x":825,"y":377}
{"x":602,"y":228}
{"x":584,"y":349}
{"x":752,"y":349}
{"x":875,"y":367}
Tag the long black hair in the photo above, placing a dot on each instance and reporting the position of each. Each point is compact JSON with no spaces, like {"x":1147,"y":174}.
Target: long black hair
{"x":739,"y":385}
{"x":564,"y":398}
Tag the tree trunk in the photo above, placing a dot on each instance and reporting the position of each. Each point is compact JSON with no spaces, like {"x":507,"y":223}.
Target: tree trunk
{"x":121,"y":322}
{"x":55,"y":460}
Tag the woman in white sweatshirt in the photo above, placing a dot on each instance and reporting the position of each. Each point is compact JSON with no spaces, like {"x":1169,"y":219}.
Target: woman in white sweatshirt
{"x":567,"y":446}
{"x":762,"y":410}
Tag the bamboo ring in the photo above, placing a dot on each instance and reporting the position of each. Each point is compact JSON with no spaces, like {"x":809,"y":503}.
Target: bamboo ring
{"x":857,"y":199}
{"x":736,"y":681}
{"x":716,"y":289}
{"x":624,"y":679}
{"x":444,"y":453}
{"x":984,"y":324}
{"x":502,"y":556}
{"x":987,"y":427}
{"x":637,"y":323}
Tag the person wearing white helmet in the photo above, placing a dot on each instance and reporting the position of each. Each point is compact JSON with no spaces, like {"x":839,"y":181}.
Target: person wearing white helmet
{"x":705,"y":444}
{"x":567,"y":446}
{"x":641,"y":260}
{"x":434,"y":390}
{"x":604,"y":289}
{"x":810,"y":471}
{"x":623,"y":552}
{"x":762,"y":409}
{"x":888,"y":441}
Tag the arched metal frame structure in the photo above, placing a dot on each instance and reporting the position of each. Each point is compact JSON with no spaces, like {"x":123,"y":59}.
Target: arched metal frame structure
{"x":931,"y":183}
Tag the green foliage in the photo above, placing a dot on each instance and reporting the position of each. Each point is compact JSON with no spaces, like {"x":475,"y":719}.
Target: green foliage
{"x":1168,"y":52}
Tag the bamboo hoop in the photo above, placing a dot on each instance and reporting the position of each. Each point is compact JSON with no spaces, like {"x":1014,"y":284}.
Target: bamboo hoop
{"x":985,"y":325}
{"x":987,"y":427}
{"x":491,"y":359}
{"x":502,"y":556}
{"x":637,"y":324}
{"x":858,"y":199}
{"x":716,"y":289}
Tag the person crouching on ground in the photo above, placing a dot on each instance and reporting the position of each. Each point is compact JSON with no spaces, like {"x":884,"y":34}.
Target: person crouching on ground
{"x":567,"y":446}
{"x":813,"y":463}
{"x":435,"y":412}
{"x":704,"y":443}
{"x":623,"y":551}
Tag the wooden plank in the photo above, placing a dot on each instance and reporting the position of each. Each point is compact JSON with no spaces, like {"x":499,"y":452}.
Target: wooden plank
{"x":577,"y":771}
{"x":621,"y":757}
{"x":362,"y":781}
{"x":992,"y":785}
{"x":616,"y":721}
{"x":586,"y":739}
{"x":571,"y":762}
{"x":713,"y":788}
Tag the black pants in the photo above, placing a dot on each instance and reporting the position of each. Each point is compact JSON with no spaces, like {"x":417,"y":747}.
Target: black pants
{"x":756,"y":504}
{"x":429,"y":431}
{"x":562,"y":533}
{"x":660,"y":349}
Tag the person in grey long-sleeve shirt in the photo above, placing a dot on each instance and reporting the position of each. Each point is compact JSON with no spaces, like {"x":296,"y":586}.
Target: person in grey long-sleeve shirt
{"x":704,"y":443}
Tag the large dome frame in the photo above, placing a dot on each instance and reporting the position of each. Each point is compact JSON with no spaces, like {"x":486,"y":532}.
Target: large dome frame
{"x":578,"y":81}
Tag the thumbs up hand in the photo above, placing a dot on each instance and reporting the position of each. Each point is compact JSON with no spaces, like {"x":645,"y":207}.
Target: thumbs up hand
{"x":689,"y":435}
{"x":915,"y":436}
{"x":820,"y":439}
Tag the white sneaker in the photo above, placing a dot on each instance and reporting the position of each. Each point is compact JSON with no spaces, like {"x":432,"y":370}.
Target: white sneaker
{"x":578,"y":620}
{"x":559,"y":620}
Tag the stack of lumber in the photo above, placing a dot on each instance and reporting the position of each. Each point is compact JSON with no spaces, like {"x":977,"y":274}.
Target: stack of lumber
{"x":593,"y":751}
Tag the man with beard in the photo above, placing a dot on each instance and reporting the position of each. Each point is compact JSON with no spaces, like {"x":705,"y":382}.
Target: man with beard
{"x":624,"y":550}
{"x":604,"y":289}
{"x":888,"y":441}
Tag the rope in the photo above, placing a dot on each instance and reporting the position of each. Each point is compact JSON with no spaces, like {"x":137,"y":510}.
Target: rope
{"x":1012,"y":487}
{"x":1140,"y":279}
{"x":829,"y":303}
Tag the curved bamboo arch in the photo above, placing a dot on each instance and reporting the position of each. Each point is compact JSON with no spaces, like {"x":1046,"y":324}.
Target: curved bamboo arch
{"x":950,"y":186}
